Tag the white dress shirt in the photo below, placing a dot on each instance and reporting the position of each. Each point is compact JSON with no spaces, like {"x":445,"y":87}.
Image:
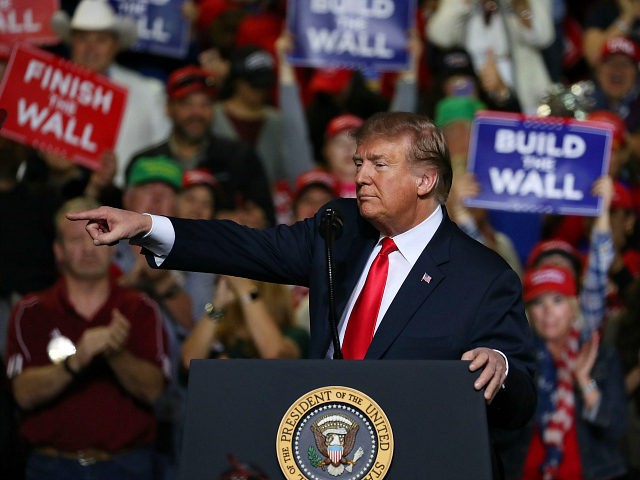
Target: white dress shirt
{"x":410,"y":245}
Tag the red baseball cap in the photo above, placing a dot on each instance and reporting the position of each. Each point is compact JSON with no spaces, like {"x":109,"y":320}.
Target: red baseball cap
{"x":318,"y":177}
{"x":548,"y":279}
{"x":198,"y":176}
{"x":615,"y":122}
{"x":556,"y":246}
{"x":342,"y":123}
{"x":190,"y":79}
{"x":622,"y":46}
{"x":330,"y":80}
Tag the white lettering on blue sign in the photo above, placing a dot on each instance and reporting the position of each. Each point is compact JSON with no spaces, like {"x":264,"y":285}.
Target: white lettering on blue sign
{"x":360,"y":44}
{"x":539,"y":143}
{"x":521,"y":182}
{"x":154,"y":32}
{"x":365,"y":8}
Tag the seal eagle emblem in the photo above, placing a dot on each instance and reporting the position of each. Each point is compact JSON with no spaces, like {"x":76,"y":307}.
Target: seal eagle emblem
{"x":335,"y":437}
{"x":334,"y":433}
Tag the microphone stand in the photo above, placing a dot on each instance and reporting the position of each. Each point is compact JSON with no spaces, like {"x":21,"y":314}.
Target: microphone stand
{"x":330,"y":226}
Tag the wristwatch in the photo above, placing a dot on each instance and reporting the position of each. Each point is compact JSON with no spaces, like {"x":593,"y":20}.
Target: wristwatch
{"x":215,"y":314}
{"x":75,"y":374}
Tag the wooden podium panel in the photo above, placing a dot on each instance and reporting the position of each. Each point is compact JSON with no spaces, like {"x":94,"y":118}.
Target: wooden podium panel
{"x":236,"y":406}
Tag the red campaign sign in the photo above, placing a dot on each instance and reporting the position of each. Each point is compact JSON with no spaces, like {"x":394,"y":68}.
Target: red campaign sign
{"x":27,"y":21}
{"x":55,"y":105}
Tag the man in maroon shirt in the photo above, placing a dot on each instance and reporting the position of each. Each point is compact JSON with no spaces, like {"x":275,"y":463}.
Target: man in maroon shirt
{"x":86,"y":359}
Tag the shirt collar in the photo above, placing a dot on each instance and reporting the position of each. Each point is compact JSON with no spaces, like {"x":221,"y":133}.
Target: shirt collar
{"x":63,"y":296}
{"x":412,"y":242}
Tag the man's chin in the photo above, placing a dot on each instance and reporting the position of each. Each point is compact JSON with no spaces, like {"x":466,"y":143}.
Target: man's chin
{"x":195,"y":137}
{"x":366,"y":207}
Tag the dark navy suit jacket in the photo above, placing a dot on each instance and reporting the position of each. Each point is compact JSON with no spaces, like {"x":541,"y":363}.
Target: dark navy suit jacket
{"x":473,"y":298}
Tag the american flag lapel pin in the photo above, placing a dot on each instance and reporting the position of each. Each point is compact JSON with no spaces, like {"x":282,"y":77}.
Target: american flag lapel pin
{"x":426,"y":278}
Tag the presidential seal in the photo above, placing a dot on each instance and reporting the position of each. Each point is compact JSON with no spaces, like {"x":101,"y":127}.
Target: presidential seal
{"x":334,"y":433}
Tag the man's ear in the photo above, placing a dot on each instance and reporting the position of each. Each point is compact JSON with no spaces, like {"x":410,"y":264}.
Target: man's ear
{"x":427,"y":182}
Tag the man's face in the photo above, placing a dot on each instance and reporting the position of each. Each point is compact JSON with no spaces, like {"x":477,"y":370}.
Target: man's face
{"x":386,"y":187}
{"x":76,"y":254}
{"x":94,"y":50}
{"x":616,"y":75}
{"x":156,"y":198}
{"x":310,"y":201}
{"x":251,"y":95}
{"x":195,"y":202}
{"x":338,"y":152}
{"x":192,"y":116}
{"x":552,"y":316}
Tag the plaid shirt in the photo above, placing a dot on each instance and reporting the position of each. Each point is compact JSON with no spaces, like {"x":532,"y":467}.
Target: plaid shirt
{"x":594,"y":284}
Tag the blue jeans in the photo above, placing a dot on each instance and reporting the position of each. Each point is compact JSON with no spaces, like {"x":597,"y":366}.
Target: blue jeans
{"x":133,"y":465}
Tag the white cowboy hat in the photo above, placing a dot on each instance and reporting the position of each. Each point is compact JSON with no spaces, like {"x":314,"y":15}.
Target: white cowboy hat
{"x":95,"y":15}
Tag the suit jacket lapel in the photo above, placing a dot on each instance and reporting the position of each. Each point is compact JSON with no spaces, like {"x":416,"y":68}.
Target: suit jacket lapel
{"x":414,"y":291}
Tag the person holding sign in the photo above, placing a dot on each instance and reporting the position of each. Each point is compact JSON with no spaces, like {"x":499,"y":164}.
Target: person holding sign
{"x":454,"y":115}
{"x":592,"y":283}
{"x":337,"y":143}
{"x":95,"y":35}
{"x":338,"y":91}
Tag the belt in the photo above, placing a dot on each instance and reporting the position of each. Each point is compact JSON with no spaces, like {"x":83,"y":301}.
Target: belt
{"x":85,"y":457}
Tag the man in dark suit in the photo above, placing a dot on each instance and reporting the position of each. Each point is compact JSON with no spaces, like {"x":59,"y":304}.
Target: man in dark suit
{"x":443,"y":295}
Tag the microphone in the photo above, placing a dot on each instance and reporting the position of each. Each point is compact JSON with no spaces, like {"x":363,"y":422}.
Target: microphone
{"x":330,"y":228}
{"x":330,"y":224}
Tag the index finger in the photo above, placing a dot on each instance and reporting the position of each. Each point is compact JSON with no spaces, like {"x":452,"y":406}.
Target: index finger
{"x":93,"y":214}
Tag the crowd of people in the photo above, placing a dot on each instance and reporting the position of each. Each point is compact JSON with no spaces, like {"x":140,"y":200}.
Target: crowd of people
{"x":234,"y":131}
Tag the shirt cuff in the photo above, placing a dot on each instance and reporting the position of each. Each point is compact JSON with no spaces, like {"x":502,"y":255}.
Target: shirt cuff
{"x":159,"y":240}
{"x":506,"y":362}
{"x":590,"y":414}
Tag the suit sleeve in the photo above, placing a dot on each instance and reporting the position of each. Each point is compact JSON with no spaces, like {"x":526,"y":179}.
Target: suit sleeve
{"x":501,"y":324}
{"x":282,"y":254}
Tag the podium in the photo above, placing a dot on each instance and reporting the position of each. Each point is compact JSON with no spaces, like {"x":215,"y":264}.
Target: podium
{"x":416,"y":419}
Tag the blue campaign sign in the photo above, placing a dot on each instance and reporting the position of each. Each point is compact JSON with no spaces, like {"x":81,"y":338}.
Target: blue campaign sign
{"x":362,"y":34}
{"x":162,"y":29}
{"x":538,"y":165}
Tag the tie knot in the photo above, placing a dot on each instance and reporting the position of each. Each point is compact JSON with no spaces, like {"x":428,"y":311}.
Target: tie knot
{"x":388,"y":246}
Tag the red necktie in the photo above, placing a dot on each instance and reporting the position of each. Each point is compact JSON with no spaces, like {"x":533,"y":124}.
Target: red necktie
{"x":362,"y":322}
